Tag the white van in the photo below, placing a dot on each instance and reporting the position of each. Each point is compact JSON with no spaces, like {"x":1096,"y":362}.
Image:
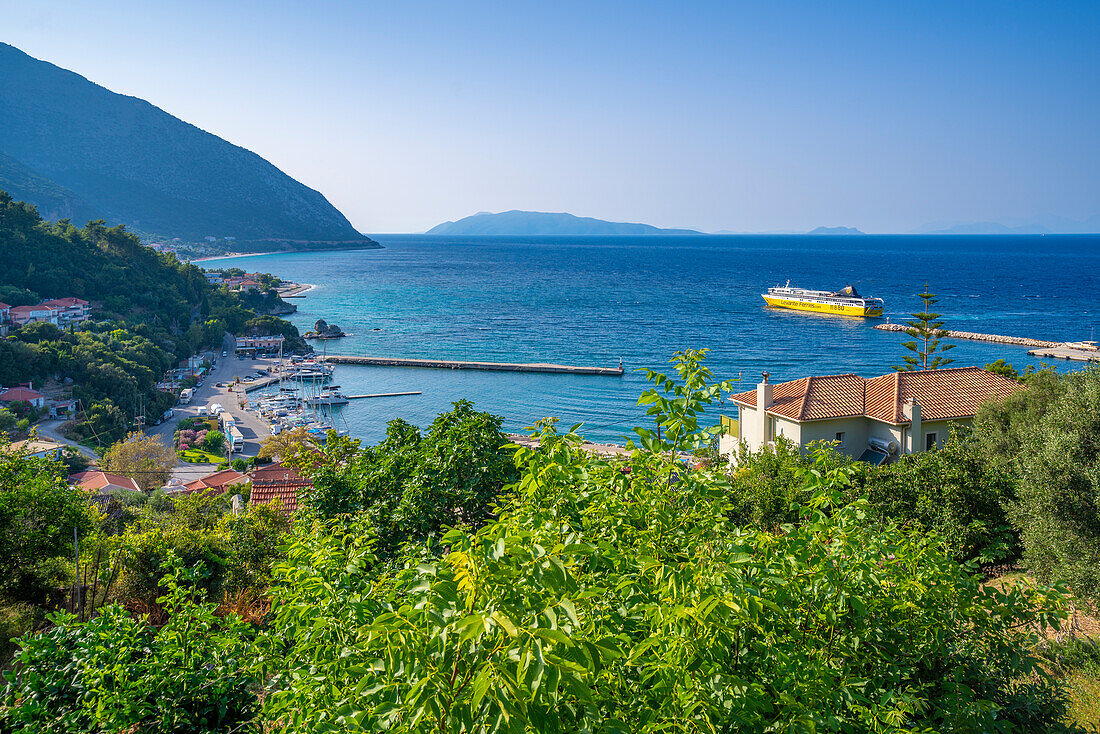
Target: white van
{"x":202,"y":411}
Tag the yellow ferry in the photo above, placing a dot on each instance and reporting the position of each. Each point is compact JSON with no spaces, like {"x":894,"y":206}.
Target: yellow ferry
{"x":845,"y":302}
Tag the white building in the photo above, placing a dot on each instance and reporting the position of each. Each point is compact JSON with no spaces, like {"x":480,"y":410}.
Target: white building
{"x":69,"y":310}
{"x":876,"y":419}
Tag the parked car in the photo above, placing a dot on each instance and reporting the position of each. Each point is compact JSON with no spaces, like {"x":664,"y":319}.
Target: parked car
{"x":225,"y":353}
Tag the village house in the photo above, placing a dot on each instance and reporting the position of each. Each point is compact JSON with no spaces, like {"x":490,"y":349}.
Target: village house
{"x":24,"y":393}
{"x":37,"y":448}
{"x":249,"y":286}
{"x":69,"y":310}
{"x":21,"y":315}
{"x":279,"y":484}
{"x":5,"y":318}
{"x":251,"y":345}
{"x":216,"y":483}
{"x":102,"y":482}
{"x":872,"y":419}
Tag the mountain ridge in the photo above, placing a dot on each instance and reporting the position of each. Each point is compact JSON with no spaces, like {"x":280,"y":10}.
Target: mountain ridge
{"x":71,"y":143}
{"x":518,"y":222}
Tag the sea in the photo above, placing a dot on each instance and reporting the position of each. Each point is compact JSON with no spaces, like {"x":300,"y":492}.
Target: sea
{"x":596,"y":300}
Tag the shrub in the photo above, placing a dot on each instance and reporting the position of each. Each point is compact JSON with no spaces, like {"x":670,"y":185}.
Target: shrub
{"x":955,"y":492}
{"x":606,"y":602}
{"x":598,"y":600}
{"x":115,"y":673}
{"x":1058,"y":512}
{"x":213,"y":441}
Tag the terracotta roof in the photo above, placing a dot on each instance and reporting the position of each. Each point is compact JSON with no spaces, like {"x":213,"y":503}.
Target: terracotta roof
{"x":4,"y":305}
{"x":20,"y":393}
{"x":95,"y":479}
{"x":279,"y":483}
{"x":217,"y":481}
{"x":18,"y":310}
{"x":63,"y":302}
{"x":942,"y":394}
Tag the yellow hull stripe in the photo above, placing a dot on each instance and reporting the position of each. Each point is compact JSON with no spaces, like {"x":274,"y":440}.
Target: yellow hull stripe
{"x":822,"y":307}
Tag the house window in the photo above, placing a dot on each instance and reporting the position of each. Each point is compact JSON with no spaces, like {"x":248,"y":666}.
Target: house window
{"x":929,"y":441}
{"x":839,"y":438}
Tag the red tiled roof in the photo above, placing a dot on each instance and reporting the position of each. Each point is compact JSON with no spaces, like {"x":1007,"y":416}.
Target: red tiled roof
{"x":94,"y":479}
{"x":284,"y":494}
{"x":216,"y":481}
{"x":942,"y":394}
{"x":63,"y":302}
{"x":4,"y":305}
{"x":29,"y":309}
{"x":20,"y":393}
{"x":279,"y":483}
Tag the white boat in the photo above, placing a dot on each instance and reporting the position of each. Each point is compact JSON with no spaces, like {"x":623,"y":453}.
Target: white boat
{"x":328,"y":396}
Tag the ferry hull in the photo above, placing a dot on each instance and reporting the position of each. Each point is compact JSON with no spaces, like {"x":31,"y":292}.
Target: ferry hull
{"x":832,"y":308}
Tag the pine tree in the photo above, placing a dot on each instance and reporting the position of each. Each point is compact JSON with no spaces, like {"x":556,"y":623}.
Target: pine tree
{"x":927,"y":330}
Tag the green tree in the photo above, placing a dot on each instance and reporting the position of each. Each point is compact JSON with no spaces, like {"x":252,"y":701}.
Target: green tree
{"x":926,"y":330}
{"x":600,"y":599}
{"x":1003,"y":368}
{"x":38,"y":513}
{"x":145,"y":458}
{"x":215,"y":442}
{"x":1058,"y":511}
{"x":414,"y":486}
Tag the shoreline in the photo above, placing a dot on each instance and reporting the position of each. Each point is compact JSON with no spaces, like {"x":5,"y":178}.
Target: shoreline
{"x":298,"y":290}
{"x":230,"y":255}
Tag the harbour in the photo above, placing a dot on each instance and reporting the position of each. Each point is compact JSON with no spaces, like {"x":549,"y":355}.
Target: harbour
{"x":973,"y":336}
{"x":449,"y":364}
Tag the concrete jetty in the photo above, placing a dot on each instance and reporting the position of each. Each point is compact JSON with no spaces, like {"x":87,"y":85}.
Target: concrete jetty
{"x":384,"y":395}
{"x":1019,"y":341}
{"x":448,"y":364}
{"x":1077,"y":353}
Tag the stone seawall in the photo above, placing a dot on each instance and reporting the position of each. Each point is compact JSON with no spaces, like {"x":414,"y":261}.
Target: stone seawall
{"x":1019,"y":341}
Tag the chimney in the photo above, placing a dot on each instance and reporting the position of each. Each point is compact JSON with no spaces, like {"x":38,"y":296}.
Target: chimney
{"x":763,"y":402}
{"x":911,"y":410}
{"x":764,"y":393}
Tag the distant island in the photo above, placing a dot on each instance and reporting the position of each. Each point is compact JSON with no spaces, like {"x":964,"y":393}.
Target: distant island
{"x":79,"y":151}
{"x":834,"y":230}
{"x":517,"y":222}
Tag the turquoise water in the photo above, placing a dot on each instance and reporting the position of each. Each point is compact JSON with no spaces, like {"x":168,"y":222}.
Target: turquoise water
{"x":594,"y":300}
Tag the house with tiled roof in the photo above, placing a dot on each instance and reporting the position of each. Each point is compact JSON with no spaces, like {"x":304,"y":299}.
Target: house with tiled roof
{"x":874,"y":419}
{"x":21,"y":315}
{"x":69,"y":310}
{"x":277,"y":483}
{"x":5,"y":318}
{"x":216,"y":483}
{"x":37,"y":447}
{"x":101,"y":482}
{"x":23,"y":393}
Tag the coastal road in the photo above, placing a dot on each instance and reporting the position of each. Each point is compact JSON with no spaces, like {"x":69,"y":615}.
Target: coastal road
{"x":48,"y":429}
{"x":226,"y":369}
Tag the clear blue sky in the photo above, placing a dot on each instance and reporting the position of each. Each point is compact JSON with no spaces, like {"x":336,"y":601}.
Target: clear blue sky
{"x":748,"y":116}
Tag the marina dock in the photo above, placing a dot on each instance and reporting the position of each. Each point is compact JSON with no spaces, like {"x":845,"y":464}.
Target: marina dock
{"x":1076,"y":351}
{"x":447,"y":364}
{"x":1019,"y":341}
{"x":384,"y":395}
{"x":1067,"y":351}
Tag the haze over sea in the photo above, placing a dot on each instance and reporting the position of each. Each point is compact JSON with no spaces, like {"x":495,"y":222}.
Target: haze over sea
{"x":594,"y":300}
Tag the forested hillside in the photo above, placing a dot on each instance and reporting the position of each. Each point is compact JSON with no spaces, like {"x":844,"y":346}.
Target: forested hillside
{"x":132,"y":163}
{"x":149,"y":311}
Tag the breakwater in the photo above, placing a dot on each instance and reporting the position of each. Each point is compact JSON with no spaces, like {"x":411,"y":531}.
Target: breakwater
{"x":447,"y":364}
{"x":972,"y":336}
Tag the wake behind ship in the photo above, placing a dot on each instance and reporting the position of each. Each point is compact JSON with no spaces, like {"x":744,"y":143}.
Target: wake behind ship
{"x":845,"y":302}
